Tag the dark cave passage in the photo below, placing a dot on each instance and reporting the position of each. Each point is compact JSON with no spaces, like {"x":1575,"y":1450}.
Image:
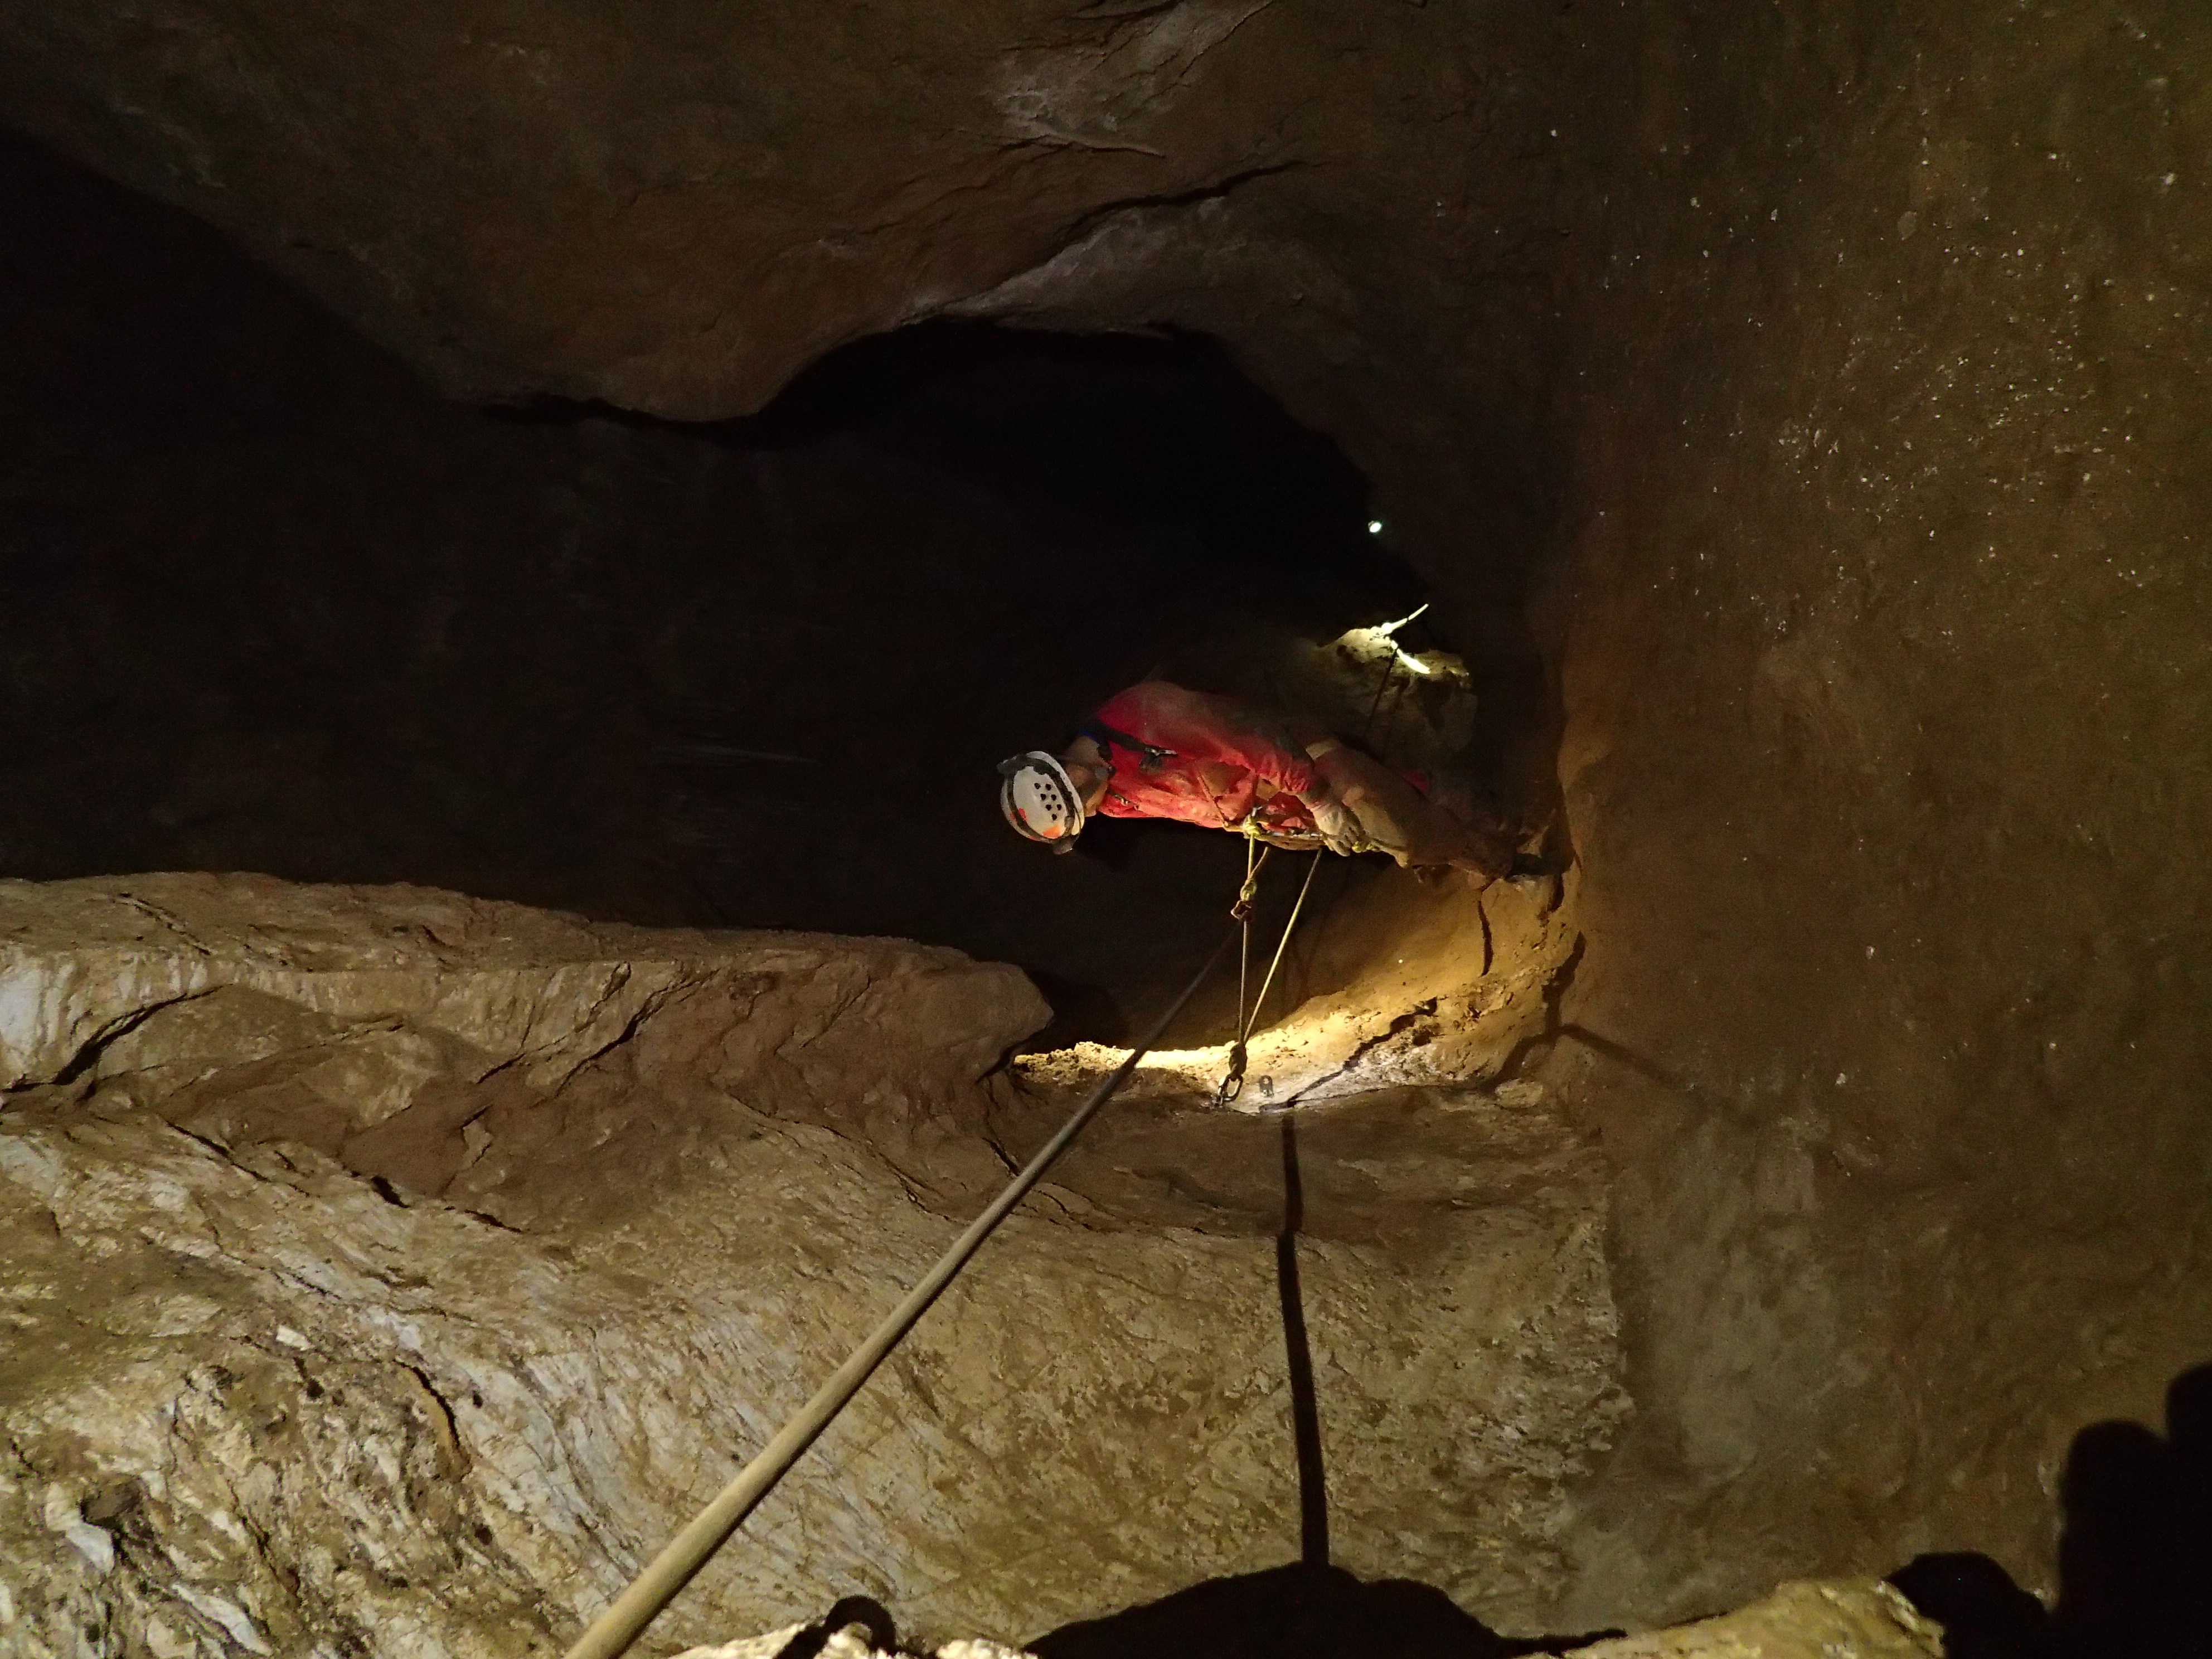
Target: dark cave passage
{"x":277,"y":608}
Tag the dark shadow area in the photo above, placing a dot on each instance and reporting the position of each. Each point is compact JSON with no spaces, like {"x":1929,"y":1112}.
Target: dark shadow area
{"x":1158,"y":431}
{"x":1984,"y":1614}
{"x":1305,"y":1401}
{"x":1297,"y":1612}
{"x":273,"y":605}
{"x":1155,"y":433}
{"x":2135,"y":1552}
{"x":862,"y":1610}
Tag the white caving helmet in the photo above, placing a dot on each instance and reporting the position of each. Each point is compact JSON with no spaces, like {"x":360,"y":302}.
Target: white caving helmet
{"x":1041,"y":800}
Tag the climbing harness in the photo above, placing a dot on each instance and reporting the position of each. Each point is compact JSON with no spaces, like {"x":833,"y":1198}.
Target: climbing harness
{"x":611,"y":1633}
{"x":1241,"y":910}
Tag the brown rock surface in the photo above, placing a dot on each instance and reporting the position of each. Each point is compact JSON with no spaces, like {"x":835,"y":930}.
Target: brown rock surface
{"x":673,"y":208}
{"x":676,"y":210}
{"x":264,"y":1381}
{"x":1880,"y":622}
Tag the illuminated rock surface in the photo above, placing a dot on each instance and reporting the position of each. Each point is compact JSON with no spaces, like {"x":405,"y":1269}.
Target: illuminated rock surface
{"x":390,"y":1266}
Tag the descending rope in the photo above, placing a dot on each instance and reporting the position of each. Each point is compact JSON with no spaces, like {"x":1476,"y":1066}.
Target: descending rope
{"x":1281,"y":945}
{"x":1388,"y":631}
{"x":1233,"y":1081}
{"x":613,"y":1631}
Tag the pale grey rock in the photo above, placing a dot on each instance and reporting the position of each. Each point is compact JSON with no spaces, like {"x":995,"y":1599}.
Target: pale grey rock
{"x":296,"y":1362}
{"x":1808,"y":1619}
{"x":768,"y":1646}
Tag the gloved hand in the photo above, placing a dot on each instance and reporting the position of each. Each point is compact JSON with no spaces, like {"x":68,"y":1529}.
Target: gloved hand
{"x":1340,"y":829}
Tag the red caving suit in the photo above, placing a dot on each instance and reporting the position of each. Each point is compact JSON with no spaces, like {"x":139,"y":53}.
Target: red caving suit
{"x":1225,"y":759}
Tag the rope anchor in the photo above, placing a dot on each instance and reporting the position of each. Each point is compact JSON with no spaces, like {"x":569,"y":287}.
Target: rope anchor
{"x":1232,"y":1081}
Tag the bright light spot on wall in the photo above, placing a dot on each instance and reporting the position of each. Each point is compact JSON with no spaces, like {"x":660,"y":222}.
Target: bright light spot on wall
{"x":1387,"y":629}
{"x":1375,"y":526}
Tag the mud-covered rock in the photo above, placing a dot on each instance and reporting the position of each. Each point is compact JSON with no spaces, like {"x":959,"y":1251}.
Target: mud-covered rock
{"x":455,"y":1045}
{"x":390,"y":1272}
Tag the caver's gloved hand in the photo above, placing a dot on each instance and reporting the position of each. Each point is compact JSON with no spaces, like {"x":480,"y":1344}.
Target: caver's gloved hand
{"x":1340,"y":828}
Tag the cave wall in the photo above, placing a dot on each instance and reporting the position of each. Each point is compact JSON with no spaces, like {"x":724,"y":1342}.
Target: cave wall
{"x":1831,"y":375}
{"x":656,"y":206}
{"x":1881,"y":617}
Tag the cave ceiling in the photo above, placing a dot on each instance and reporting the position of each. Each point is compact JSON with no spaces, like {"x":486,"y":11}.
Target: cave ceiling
{"x":673,"y":211}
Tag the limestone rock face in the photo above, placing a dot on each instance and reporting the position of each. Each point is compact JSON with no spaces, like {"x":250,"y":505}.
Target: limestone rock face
{"x":392,"y":1272}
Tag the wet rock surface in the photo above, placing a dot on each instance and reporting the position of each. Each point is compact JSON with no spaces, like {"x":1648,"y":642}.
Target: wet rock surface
{"x":393,"y":1269}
